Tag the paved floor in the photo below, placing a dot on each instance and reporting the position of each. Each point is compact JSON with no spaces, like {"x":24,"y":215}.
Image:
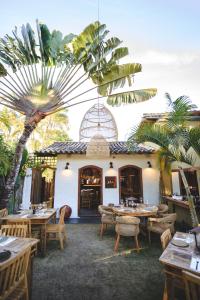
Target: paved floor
{"x":88,"y":270}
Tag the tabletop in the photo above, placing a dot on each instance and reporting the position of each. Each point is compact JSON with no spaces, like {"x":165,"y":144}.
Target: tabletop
{"x":187,"y":258}
{"x":15,"y":245}
{"x":42,"y":216}
{"x":141,"y":210}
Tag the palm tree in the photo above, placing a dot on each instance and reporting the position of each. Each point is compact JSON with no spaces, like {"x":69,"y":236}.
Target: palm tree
{"x":42,"y":72}
{"x":176,"y":140}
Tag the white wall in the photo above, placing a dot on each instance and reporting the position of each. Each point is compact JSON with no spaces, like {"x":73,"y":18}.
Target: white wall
{"x":175,"y":183}
{"x":27,"y":189}
{"x":66,"y":181}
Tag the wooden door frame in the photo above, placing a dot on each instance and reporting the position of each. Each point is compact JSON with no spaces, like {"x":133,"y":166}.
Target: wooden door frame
{"x":79,"y":184}
{"x":140,"y":177}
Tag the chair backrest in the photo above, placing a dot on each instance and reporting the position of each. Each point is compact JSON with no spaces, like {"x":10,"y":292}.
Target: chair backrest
{"x":21,"y":221}
{"x":127,"y":226}
{"x":3,"y":212}
{"x":14,"y":230}
{"x":192,"y":285}
{"x":13,"y":273}
{"x":105,"y":210}
{"x":162,"y":209}
{"x":165,"y":238}
{"x":62,"y":216}
{"x":169,"y":218}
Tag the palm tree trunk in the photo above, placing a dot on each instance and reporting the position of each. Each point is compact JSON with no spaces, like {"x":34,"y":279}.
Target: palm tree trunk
{"x":193,"y":213}
{"x":29,"y":126}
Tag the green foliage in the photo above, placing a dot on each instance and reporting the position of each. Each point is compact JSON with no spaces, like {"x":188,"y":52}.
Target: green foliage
{"x":6,"y":157}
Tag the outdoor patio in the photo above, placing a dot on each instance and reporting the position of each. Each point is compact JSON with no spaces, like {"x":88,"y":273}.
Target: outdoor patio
{"x":88,"y":269}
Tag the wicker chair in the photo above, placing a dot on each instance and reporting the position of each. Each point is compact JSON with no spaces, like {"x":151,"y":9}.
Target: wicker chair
{"x":162,"y":209}
{"x":107,"y":218}
{"x":159,"y":225}
{"x":13,"y":277}
{"x":127,"y":226}
{"x":57,"y":231}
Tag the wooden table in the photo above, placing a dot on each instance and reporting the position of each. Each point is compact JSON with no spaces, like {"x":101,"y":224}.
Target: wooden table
{"x":36,"y":219}
{"x":141,"y":210}
{"x":175,"y":259}
{"x":176,"y":202}
{"x":15,"y":247}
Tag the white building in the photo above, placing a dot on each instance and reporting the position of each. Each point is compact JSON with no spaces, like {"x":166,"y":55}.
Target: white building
{"x":96,"y":170}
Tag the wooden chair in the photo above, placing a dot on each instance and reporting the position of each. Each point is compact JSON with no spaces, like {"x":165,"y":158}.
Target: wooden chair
{"x":127,"y":226}
{"x":13,"y":277}
{"x":159,"y":225}
{"x":165,"y":238}
{"x":107,"y":218}
{"x":192,"y":285}
{"x":3,"y":212}
{"x":57,"y":231}
{"x":14,"y":230}
{"x":21,"y":221}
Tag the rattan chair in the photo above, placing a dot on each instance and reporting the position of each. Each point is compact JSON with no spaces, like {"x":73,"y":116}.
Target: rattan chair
{"x":107,"y":218}
{"x":165,"y":238}
{"x":13,"y":277}
{"x":159,"y":225}
{"x":162,"y":209}
{"x":192,"y":285}
{"x":14,"y":230}
{"x":127,"y":226}
{"x":57,"y":231}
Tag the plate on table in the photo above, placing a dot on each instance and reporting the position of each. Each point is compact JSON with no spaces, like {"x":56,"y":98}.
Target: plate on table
{"x":179,"y":243}
{"x":4,"y":255}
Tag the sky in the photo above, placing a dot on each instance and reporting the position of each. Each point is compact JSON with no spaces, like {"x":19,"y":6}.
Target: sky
{"x":161,"y":35}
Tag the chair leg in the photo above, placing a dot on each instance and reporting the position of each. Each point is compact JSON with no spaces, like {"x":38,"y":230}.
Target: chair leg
{"x":165,"y":296}
{"x":117,"y":243}
{"x":61,"y":241}
{"x":137,"y":244}
{"x":149,"y":236}
{"x":65,"y":236}
{"x":101,"y":230}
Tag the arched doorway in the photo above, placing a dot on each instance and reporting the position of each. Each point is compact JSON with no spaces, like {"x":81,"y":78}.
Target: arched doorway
{"x":90,"y":191}
{"x":130,"y":183}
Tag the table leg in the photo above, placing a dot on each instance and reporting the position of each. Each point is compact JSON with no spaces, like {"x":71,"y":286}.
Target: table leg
{"x":43,"y":240}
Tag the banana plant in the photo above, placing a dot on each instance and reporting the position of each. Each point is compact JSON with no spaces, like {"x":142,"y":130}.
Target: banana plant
{"x":42,"y":72}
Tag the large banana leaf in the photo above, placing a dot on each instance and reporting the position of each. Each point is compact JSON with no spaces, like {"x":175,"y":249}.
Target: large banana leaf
{"x":131,"y":97}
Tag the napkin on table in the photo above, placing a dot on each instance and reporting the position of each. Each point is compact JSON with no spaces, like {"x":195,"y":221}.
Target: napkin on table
{"x":195,"y":264}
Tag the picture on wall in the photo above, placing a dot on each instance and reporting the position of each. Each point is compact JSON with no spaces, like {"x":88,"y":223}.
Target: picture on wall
{"x":110,"y":182}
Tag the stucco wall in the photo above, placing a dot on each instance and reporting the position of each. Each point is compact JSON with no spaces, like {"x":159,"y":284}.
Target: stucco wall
{"x":66,"y":181}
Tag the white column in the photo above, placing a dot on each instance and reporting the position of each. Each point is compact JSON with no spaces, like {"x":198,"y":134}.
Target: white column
{"x":27,"y":189}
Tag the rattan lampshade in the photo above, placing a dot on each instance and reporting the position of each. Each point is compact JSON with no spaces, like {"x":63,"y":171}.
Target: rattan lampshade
{"x":98,"y":120}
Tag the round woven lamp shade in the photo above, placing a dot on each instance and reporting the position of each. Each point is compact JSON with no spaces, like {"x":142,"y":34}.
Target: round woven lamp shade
{"x":98,"y":120}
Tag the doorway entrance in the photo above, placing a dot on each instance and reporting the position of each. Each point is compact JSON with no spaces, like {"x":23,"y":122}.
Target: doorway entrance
{"x":130,"y":183}
{"x":90,"y":191}
{"x":42,"y":186}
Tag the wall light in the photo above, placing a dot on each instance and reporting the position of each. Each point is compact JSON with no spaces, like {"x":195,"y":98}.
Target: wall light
{"x":67,"y":166}
{"x":111,"y":165}
{"x":149,"y":164}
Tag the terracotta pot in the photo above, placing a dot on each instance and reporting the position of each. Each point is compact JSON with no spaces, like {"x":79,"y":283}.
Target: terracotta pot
{"x":68,"y":211}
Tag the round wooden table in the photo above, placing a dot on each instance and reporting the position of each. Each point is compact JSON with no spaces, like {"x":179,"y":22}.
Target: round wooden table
{"x":139,"y":211}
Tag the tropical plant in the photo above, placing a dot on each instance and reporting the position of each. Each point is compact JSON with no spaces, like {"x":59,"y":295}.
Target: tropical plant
{"x":176,"y":140}
{"x":11,"y":125}
{"x":42,"y":72}
{"x":52,"y":128}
